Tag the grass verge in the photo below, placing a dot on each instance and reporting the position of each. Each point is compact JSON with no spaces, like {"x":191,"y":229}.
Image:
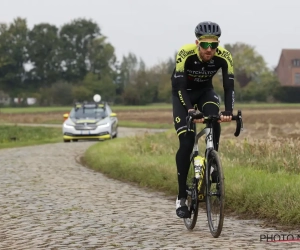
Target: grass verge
{"x":19,"y":136}
{"x":133,"y":124}
{"x":254,"y":190}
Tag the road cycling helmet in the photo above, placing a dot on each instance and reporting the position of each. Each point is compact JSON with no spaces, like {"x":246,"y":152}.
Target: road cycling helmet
{"x":207,"y":28}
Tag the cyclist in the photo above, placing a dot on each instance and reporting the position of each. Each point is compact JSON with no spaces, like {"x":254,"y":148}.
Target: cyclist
{"x":193,"y":92}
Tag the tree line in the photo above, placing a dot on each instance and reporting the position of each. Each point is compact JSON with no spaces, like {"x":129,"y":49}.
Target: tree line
{"x":58,"y":66}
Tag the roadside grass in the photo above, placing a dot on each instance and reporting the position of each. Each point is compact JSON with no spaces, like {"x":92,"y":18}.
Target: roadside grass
{"x":128,"y":124}
{"x":143,"y":159}
{"x":19,"y":136}
{"x":136,"y":124}
{"x":22,"y":110}
{"x":259,"y":183}
{"x":274,"y":156}
{"x":261,"y":194}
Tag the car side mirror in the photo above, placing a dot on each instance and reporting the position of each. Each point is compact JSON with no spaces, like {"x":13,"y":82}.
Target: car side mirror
{"x":66,"y":116}
{"x":113,"y":115}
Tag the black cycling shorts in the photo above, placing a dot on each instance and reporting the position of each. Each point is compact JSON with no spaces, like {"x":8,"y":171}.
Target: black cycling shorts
{"x":206,"y":101}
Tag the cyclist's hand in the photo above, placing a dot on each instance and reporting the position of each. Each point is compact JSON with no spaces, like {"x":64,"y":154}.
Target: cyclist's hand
{"x":193,"y":112}
{"x":225,"y":116}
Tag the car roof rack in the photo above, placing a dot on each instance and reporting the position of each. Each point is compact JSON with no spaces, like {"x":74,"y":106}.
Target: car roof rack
{"x":86,"y":104}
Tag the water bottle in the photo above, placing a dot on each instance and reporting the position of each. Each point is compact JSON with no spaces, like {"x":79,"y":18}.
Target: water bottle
{"x":198,"y":163}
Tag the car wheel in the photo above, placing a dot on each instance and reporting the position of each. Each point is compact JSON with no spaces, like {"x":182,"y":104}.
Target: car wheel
{"x":116,"y":134}
{"x":75,"y":140}
{"x":66,"y":140}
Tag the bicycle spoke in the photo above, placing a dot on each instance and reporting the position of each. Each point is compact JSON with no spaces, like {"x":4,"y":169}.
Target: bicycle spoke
{"x":215,"y":194}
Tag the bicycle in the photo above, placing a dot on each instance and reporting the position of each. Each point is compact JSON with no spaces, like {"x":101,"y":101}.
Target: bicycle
{"x":206,"y":177}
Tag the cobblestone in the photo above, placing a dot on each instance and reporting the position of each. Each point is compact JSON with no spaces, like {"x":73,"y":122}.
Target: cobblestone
{"x":49,"y":201}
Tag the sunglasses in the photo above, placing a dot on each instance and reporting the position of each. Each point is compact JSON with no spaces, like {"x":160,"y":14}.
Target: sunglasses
{"x":205,"y":45}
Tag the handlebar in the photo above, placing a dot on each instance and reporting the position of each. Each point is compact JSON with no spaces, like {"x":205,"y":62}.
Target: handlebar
{"x":238,"y":118}
{"x":239,"y":123}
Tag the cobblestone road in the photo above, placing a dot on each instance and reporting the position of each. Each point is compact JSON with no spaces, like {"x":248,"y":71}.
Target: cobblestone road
{"x":49,"y":201}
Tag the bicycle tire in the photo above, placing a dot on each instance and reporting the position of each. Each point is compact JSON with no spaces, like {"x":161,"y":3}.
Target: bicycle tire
{"x":215,"y":194}
{"x":192,"y":199}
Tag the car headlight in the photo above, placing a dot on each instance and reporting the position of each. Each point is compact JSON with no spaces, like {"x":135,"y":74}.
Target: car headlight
{"x":103,"y":125}
{"x":69,"y":124}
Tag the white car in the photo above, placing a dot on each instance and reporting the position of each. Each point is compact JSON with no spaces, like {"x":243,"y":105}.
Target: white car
{"x":90,"y":121}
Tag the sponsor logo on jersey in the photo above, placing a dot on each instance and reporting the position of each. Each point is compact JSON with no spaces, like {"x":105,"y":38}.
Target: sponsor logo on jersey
{"x":179,"y":60}
{"x":176,"y":76}
{"x":202,"y":72}
{"x":183,"y":54}
{"x":181,"y":98}
{"x":225,"y":54}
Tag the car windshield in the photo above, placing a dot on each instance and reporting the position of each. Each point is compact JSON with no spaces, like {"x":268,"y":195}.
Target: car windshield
{"x":87,"y":113}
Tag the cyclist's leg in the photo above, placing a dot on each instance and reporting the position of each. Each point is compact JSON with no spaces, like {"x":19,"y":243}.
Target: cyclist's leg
{"x":186,"y":142}
{"x":210,"y":105}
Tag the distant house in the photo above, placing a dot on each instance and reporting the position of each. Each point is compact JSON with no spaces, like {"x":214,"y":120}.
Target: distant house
{"x":288,"y":68}
{"x":4,"y":98}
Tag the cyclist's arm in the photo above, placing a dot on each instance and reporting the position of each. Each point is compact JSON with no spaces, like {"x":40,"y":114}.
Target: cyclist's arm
{"x":180,"y":82}
{"x":228,"y":83}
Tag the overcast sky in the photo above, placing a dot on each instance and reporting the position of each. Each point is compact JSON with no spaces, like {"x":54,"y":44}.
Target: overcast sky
{"x":153,"y":30}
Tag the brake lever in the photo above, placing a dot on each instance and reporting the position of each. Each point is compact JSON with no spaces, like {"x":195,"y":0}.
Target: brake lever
{"x":239,"y":124}
{"x":242,"y":124}
{"x":189,"y":120}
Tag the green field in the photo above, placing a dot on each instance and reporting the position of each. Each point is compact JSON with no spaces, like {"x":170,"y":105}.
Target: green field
{"x":18,"y":136}
{"x":116,"y":108}
{"x":16,"y":110}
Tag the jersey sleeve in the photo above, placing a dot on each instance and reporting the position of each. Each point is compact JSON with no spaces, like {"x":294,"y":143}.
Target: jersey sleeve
{"x":180,"y":78}
{"x":228,"y":78}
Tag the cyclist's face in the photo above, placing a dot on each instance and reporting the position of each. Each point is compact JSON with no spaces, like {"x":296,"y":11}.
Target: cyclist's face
{"x":206,"y":53}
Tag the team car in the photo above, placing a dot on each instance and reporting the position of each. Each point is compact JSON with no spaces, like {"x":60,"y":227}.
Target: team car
{"x":90,"y":121}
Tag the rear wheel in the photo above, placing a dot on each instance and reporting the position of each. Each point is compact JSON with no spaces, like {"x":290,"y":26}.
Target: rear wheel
{"x":66,"y":140}
{"x":192,"y":199}
{"x":215,"y":193}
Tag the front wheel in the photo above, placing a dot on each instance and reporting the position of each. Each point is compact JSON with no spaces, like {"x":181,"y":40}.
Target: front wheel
{"x":215,"y":193}
{"x":116,"y":134}
{"x":192,"y":199}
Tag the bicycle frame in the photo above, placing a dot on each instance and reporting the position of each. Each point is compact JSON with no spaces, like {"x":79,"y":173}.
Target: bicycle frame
{"x":208,"y":131}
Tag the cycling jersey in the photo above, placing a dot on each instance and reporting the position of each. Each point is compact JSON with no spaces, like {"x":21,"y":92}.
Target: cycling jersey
{"x":191,"y":73}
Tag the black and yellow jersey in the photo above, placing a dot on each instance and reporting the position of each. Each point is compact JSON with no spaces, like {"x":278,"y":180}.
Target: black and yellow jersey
{"x":191,"y":73}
